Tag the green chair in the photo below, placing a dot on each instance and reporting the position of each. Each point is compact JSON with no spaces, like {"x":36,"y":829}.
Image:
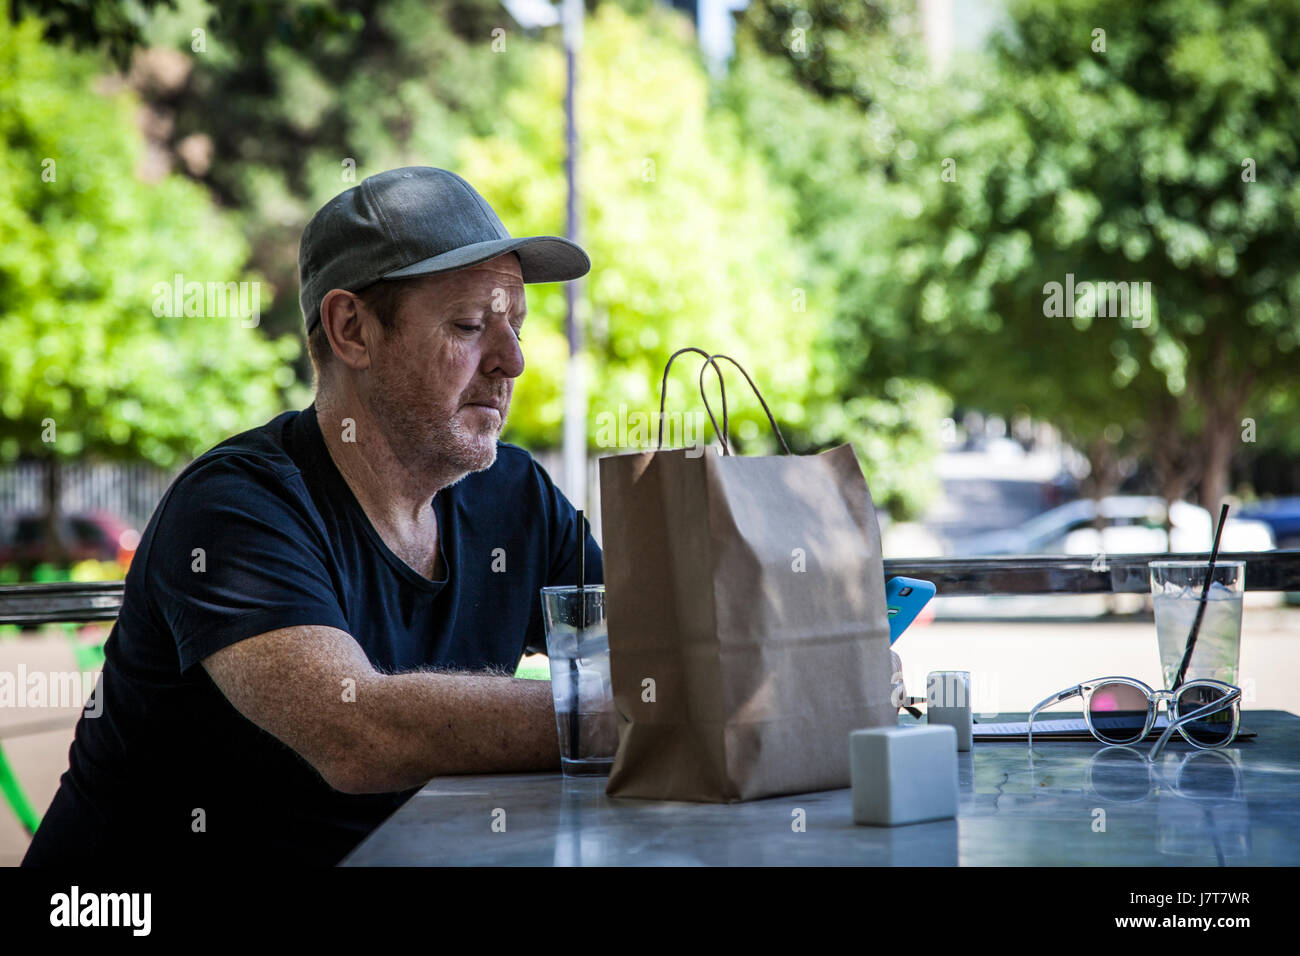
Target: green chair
{"x":13,"y":793}
{"x":89,"y":656}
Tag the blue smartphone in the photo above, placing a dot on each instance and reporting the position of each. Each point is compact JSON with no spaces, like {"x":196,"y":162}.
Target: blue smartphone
{"x":904,"y":598}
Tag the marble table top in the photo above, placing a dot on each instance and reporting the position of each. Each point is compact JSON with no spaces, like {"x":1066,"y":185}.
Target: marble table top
{"x":1075,"y":803}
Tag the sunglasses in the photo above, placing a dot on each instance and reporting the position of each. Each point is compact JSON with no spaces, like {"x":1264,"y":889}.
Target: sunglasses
{"x":1122,"y":710}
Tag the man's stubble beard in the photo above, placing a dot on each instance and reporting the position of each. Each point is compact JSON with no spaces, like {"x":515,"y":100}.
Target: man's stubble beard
{"x":432,"y":441}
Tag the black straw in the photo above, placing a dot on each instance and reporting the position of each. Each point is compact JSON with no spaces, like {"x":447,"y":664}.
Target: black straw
{"x":582,"y":626}
{"x":1200,"y":610}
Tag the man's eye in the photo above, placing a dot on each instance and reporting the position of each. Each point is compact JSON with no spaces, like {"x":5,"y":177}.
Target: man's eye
{"x":519,"y":337}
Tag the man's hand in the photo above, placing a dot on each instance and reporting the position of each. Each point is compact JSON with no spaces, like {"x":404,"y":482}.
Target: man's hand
{"x":315,"y":690}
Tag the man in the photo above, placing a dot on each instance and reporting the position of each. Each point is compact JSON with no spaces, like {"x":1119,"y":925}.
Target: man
{"x":324,"y":612}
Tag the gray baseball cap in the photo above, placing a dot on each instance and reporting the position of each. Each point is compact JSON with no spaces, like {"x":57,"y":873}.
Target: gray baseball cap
{"x":415,"y":221}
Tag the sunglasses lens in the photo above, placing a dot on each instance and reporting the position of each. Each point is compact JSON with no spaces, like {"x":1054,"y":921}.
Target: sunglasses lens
{"x":1120,"y":775}
{"x":1211,"y":729}
{"x":1118,"y":712}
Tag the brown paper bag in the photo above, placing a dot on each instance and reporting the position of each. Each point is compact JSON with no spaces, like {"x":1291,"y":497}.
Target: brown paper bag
{"x":747,"y":624}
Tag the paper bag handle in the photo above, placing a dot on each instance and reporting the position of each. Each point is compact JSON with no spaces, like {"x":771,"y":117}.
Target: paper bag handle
{"x":724,"y":434}
{"x":663,"y":390}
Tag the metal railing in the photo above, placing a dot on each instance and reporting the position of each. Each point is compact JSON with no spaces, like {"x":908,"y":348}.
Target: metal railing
{"x":129,"y":491}
{"x":33,"y":604}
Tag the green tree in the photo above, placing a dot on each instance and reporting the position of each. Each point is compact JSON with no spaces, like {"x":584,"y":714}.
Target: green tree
{"x":1115,"y":142}
{"x":96,"y":360}
{"x":694,"y":242}
{"x":830,"y":110}
{"x":278,"y":107}
{"x":1159,"y":151}
{"x":688,"y":237}
{"x":112,"y":25}
{"x":299,"y":107}
{"x":859,"y":51}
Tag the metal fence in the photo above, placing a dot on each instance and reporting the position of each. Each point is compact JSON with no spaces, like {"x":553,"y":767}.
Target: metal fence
{"x":129,"y":491}
{"x":133,"y":491}
{"x":34,"y":604}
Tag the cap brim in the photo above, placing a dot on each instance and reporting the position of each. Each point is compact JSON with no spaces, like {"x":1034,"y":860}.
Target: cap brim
{"x":541,"y":259}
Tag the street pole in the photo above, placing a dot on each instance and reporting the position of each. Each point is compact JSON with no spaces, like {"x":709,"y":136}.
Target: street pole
{"x":575,"y":385}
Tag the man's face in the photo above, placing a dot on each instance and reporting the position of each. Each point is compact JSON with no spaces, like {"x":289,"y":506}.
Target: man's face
{"x":454,"y":352}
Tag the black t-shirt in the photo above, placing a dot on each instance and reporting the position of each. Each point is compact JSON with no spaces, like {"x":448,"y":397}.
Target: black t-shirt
{"x":260,"y":533}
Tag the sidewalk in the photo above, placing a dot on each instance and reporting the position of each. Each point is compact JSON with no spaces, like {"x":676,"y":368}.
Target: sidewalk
{"x":1016,"y":664}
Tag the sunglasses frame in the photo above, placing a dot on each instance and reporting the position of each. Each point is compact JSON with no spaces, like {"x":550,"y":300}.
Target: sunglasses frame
{"x":1231,"y":699}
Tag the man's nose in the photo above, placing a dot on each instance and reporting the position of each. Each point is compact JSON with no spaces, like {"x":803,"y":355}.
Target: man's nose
{"x":503,"y":354}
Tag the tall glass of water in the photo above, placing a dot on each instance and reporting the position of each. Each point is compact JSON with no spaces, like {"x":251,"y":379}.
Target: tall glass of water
{"x":1176,"y":589}
{"x":577,"y":645}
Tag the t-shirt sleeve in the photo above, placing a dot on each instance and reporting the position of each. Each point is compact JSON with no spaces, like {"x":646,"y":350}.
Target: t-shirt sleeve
{"x":236,"y":553}
{"x":562,"y":569}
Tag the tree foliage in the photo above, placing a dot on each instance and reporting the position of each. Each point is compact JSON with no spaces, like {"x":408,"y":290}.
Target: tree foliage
{"x":84,"y":244}
{"x":296,"y":102}
{"x":688,"y":236}
{"x":829,"y":111}
{"x":115,"y":26}
{"x":1113,"y":142}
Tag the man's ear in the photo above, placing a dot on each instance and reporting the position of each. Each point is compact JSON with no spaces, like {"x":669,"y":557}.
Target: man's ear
{"x":350,"y":328}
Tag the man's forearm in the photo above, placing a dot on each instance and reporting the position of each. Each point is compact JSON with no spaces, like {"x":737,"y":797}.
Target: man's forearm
{"x":421,"y":725}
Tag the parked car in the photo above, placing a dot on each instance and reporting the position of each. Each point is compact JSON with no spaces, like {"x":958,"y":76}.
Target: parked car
{"x":1282,"y":515}
{"x":87,"y":536}
{"x":1132,"y":524}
